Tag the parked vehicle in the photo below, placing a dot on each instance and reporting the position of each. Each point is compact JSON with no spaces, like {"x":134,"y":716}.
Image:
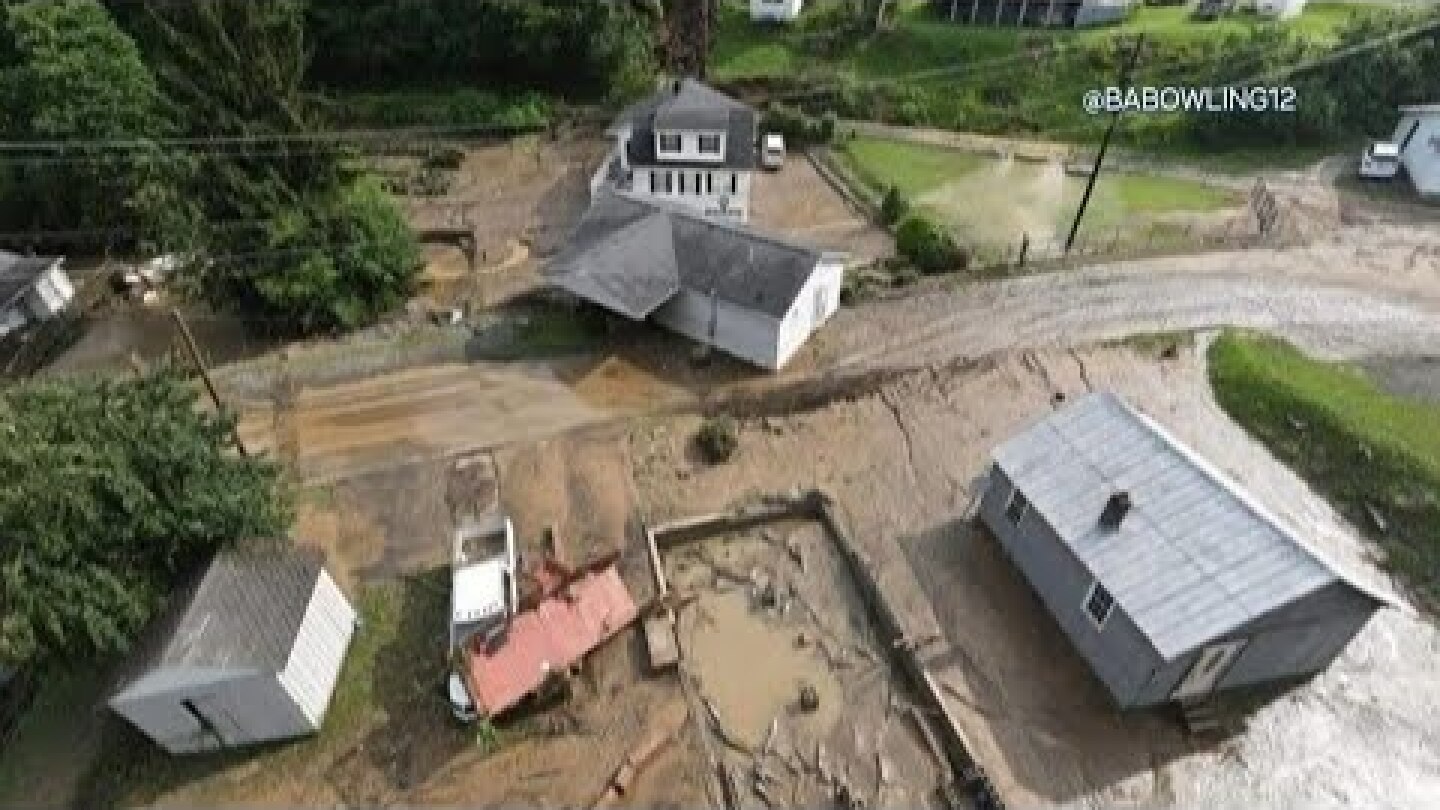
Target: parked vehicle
{"x":1380,"y":161}
{"x":483,"y":596}
{"x":772,"y":152}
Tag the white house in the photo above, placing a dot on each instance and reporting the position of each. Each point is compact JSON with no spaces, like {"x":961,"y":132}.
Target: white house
{"x":1418,"y":136}
{"x":753,"y":296}
{"x":687,"y":145}
{"x":1279,"y":9}
{"x":775,"y":10}
{"x":32,"y":289}
{"x":250,"y":654}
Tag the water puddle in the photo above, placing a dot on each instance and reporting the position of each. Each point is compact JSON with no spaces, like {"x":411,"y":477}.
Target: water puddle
{"x":752,"y":669}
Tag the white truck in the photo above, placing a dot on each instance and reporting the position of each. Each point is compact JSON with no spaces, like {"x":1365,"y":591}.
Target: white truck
{"x":483,"y":595}
{"x":1380,"y":161}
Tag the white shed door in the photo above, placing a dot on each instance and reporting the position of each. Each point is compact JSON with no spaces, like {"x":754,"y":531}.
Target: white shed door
{"x":1208,"y":668}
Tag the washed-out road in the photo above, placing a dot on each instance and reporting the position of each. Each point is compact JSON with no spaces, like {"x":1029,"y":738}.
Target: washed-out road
{"x":1338,"y":299}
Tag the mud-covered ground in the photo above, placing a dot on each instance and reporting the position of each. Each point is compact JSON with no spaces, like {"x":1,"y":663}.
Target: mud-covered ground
{"x":776,"y":612}
{"x":904,"y":461}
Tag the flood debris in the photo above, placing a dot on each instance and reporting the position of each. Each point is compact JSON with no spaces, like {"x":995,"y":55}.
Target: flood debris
{"x":809,"y":698}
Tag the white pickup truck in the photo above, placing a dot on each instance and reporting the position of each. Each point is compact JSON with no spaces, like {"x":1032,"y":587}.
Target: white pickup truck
{"x":1380,"y":161}
{"x":483,"y":595}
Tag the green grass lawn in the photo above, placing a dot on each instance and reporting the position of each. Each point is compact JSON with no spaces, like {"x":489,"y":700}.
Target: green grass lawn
{"x":1355,"y":443}
{"x":987,"y":202}
{"x":1150,"y":194}
{"x":913,"y":168}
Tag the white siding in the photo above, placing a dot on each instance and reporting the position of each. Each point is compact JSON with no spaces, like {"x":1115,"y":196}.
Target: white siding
{"x":1422,"y":154}
{"x":52,"y":293}
{"x":744,"y":333}
{"x":718,"y":202}
{"x":314,"y":666}
{"x":819,"y":300}
{"x":775,"y":9}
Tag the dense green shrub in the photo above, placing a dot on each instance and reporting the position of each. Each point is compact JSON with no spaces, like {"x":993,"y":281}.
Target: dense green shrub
{"x":798,"y":127}
{"x":894,"y":207}
{"x":718,"y":438}
{"x":928,"y":247}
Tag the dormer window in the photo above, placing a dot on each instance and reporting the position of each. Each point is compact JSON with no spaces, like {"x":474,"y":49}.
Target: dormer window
{"x":709,"y":144}
{"x":669,"y":142}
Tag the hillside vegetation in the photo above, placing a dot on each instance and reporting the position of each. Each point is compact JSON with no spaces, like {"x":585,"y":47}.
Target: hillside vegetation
{"x":924,"y":70}
{"x":1374,"y":455}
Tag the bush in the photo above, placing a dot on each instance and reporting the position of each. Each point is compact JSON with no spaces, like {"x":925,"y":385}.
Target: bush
{"x":798,"y":127}
{"x":894,"y":207}
{"x":928,"y":247}
{"x":718,"y":439}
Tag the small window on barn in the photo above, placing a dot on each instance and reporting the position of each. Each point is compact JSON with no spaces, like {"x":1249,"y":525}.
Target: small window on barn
{"x":1099,"y":604}
{"x":1016,"y":508}
{"x":709,"y":144}
{"x":670,"y":142}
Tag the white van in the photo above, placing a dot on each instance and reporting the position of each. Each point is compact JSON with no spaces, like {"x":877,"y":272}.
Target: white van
{"x":772,"y":152}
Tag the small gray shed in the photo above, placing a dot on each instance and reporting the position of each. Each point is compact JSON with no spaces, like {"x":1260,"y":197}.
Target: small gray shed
{"x":1169,"y":580}
{"x":250,"y":654}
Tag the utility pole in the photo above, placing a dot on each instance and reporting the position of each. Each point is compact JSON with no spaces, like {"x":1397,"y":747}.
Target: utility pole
{"x":1125,"y":73}
{"x":193,"y":349}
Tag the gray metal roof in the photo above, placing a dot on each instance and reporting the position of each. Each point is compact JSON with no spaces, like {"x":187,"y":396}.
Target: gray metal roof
{"x":19,"y":273}
{"x":632,"y":254}
{"x":692,"y":106}
{"x":244,"y":612}
{"x":1195,"y":557}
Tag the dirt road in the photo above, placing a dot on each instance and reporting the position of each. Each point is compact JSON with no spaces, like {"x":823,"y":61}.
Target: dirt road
{"x":1334,"y":299}
{"x":1339,"y":298}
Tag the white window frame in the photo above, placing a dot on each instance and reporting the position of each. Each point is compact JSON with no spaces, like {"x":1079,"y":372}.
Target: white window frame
{"x":709,"y":139}
{"x":1015,"y":494}
{"x":662,"y":137}
{"x":1109,"y":609}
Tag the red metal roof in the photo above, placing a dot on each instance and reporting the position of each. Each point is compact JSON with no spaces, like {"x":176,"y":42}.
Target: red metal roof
{"x":553,"y":636}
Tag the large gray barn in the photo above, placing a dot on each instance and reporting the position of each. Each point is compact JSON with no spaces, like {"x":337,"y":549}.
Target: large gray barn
{"x":250,"y":654}
{"x":1170,"y":582}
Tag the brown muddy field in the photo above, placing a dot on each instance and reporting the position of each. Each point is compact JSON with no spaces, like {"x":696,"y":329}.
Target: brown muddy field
{"x":904,"y":459}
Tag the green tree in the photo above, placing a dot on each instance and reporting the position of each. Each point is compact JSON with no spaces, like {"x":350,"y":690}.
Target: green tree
{"x":928,"y":247}
{"x":295,"y":243}
{"x":114,"y":490}
{"x":69,"y":75}
{"x":338,"y":260}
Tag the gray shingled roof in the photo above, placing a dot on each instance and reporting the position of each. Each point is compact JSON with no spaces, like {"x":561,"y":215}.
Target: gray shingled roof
{"x":19,"y":273}
{"x":632,"y":255}
{"x":1195,"y":557}
{"x":244,"y":612}
{"x":690,"y":105}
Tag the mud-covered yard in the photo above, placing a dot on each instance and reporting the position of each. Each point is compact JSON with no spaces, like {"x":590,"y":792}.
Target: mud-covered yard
{"x":904,"y":458}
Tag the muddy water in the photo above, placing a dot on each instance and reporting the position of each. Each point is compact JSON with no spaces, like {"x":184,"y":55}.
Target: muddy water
{"x":1007,"y":197}
{"x":750,"y":667}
